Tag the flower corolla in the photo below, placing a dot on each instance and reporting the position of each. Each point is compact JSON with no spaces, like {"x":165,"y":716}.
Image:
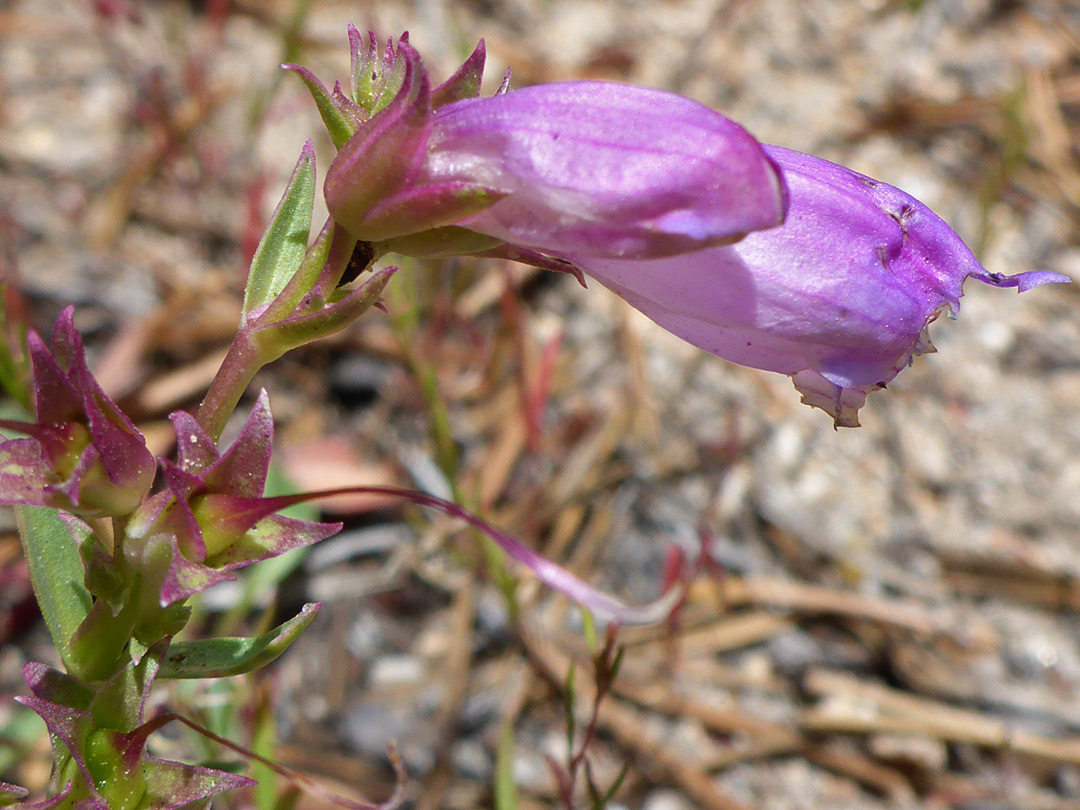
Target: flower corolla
{"x":839,"y":297}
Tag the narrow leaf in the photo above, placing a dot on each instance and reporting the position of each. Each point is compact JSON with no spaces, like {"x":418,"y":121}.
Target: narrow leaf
{"x":284,"y":244}
{"x":221,"y":657}
{"x":56,"y":572}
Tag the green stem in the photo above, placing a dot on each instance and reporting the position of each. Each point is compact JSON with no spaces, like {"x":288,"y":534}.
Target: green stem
{"x":235,"y":375}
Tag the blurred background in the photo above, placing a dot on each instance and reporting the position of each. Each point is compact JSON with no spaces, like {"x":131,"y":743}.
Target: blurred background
{"x":885,"y":617}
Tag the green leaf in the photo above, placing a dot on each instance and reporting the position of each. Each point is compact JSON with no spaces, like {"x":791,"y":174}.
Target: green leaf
{"x":119,"y":704}
{"x":221,"y":657}
{"x":282,"y":248}
{"x":303,"y":280}
{"x":56,"y":571}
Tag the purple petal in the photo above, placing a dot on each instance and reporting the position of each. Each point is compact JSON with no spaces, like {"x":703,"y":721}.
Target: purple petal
{"x":1023,"y":281}
{"x":606,"y":169}
{"x":838,"y":297}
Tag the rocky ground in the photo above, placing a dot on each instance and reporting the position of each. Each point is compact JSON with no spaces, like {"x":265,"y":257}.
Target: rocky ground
{"x":889,"y":618}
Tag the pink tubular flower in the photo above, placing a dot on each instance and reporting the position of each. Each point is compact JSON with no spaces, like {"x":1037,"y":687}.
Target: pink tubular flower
{"x":839,"y":296}
{"x":667,"y":203}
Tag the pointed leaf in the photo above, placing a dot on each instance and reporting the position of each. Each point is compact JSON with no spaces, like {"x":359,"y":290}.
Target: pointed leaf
{"x":183,"y":577}
{"x":57,"y":574}
{"x":221,"y":657}
{"x":194,"y":449}
{"x":61,"y":799}
{"x":119,"y":705}
{"x":283,"y":245}
{"x":57,"y":400}
{"x":270,"y":537}
{"x":70,"y":729}
{"x":242,"y":468}
{"x":97,"y":647}
{"x":304,"y":280}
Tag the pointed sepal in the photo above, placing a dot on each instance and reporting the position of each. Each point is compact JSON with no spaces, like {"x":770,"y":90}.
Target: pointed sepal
{"x":173,"y":785}
{"x":377,"y":77}
{"x":339,"y":114}
{"x":24,"y":474}
{"x":465,"y":83}
{"x":277,"y":338}
{"x":213,"y":519}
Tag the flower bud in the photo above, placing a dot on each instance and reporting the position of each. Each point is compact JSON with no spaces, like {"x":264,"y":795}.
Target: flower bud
{"x":209,"y":521}
{"x":83,"y":455}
